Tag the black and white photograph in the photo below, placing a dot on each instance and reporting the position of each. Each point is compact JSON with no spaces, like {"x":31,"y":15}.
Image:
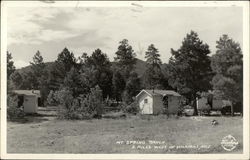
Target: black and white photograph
{"x":125,"y":79}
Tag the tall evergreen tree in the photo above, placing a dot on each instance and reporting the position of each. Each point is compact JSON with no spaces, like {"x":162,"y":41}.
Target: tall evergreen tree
{"x":67,"y":59}
{"x":228,"y":67}
{"x":97,"y":71}
{"x":190,"y":67}
{"x":38,"y":69}
{"x":125,"y":58}
{"x":153,"y":75}
{"x":39,"y":75}
{"x":58,"y":71}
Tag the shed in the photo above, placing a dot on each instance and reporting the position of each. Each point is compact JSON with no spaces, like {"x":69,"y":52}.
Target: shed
{"x":158,"y":101}
{"x":28,"y":99}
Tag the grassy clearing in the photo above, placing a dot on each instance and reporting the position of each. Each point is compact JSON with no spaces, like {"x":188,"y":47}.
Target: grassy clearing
{"x":104,"y":135}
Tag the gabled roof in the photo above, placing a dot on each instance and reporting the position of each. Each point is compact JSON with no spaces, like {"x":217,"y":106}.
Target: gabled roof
{"x":27,"y":92}
{"x":159,"y":92}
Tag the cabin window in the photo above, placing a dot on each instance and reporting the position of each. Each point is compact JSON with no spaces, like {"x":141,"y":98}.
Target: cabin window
{"x":145,"y":100}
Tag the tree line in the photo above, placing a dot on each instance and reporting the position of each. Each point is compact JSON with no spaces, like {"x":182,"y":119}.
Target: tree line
{"x":190,"y":70}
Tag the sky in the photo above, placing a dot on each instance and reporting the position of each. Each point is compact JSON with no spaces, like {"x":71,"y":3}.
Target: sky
{"x":82,"y":29}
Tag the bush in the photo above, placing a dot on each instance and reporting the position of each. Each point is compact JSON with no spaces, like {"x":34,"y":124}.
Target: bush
{"x":133,"y":108}
{"x":13,"y":111}
{"x":52,"y":99}
{"x":83,"y":107}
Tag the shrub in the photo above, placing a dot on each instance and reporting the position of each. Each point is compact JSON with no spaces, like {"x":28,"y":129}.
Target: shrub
{"x":52,"y":98}
{"x":13,"y":111}
{"x":83,"y":107}
{"x":133,"y":108}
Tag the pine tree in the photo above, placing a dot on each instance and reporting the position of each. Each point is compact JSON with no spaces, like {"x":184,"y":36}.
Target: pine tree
{"x":38,"y":69}
{"x":67,"y":60}
{"x":189,"y":67}
{"x":153,"y":75}
{"x":125,"y":58}
{"x":228,"y":67}
{"x":97,"y":71}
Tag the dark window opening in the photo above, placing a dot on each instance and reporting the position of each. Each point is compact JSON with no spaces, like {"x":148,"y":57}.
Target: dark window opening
{"x":20,"y":101}
{"x":39,"y":101}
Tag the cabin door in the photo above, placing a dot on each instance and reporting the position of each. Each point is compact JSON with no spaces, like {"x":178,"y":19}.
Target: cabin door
{"x":147,"y":107}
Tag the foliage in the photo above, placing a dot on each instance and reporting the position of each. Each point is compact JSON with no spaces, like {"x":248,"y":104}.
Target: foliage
{"x":133,"y":87}
{"x":72,"y":81}
{"x":10,"y":65}
{"x":24,"y":80}
{"x":133,"y":108}
{"x":96,"y":70}
{"x":67,"y":60}
{"x":228,"y":67}
{"x":153,"y":75}
{"x":83,"y":107}
{"x":189,"y":67}
{"x":13,"y":111}
{"x":16,"y":79}
{"x":57,"y":72}
{"x":52,"y":99}
{"x":37,"y":66}
{"x":125,"y":58}
{"x":119,"y":85}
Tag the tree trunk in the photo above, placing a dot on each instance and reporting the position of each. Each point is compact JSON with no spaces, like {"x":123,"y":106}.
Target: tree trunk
{"x":232,"y":110}
{"x":194,"y":104}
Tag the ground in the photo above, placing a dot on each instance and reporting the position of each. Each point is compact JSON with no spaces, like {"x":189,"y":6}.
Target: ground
{"x":133,"y":134}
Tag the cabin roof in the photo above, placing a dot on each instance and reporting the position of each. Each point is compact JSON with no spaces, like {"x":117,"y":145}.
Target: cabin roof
{"x":27,"y":92}
{"x":159,"y":92}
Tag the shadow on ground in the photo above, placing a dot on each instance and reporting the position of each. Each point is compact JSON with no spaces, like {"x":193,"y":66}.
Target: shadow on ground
{"x":44,"y":114}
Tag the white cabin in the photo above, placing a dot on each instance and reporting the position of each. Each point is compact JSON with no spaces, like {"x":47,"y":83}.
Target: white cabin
{"x":158,"y":101}
{"x":28,"y":99}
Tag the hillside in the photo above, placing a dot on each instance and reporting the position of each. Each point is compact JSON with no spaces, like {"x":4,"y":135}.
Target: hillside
{"x":140,"y":67}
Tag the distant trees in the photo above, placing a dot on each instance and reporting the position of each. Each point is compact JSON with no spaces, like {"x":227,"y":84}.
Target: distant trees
{"x":189,"y":67}
{"x":10,"y":70}
{"x":227,"y":65}
{"x":153,"y":76}
{"x":10,"y":65}
{"x":190,"y":70}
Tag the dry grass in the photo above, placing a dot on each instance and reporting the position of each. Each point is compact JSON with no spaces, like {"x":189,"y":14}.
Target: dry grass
{"x":102,"y":135}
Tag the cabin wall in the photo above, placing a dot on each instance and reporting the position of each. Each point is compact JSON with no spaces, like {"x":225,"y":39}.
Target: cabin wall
{"x":158,"y":105}
{"x":146,"y":108}
{"x":173,"y":104}
{"x":202,"y":104}
{"x":30,"y":104}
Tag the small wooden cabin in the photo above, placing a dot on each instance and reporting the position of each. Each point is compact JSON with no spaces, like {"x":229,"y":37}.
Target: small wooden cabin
{"x":158,"y":101}
{"x":28,"y":99}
